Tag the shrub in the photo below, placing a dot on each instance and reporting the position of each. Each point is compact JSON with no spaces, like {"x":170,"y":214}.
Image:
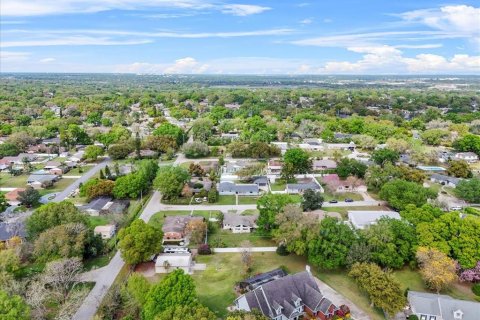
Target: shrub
{"x":204,"y":249}
{"x":476,"y":289}
{"x":282,"y":250}
{"x":412,"y":317}
{"x":195,"y":150}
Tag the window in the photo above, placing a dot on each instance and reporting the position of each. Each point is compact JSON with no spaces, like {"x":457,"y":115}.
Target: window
{"x":433,"y":318}
{"x":423,"y":317}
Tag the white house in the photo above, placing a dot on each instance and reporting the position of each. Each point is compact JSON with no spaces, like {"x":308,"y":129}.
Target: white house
{"x":274,"y":167}
{"x":363,"y":219}
{"x":341,"y":146}
{"x":168,"y":262}
{"x":466,"y":156}
{"x":239,"y":224}
{"x":106,"y":232}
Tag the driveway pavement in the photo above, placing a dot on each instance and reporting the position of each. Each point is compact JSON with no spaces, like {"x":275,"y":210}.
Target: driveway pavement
{"x":89,"y":174}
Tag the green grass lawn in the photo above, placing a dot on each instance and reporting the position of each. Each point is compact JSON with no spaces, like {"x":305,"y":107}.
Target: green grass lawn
{"x":98,"y":262}
{"x":58,"y":186}
{"x":229,"y":239}
{"x":344,"y":210}
{"x":9,"y":181}
{"x":342,"y":196}
{"x":250,"y":212}
{"x":278,"y":186}
{"x":75,"y":172}
{"x":215,"y":286}
{"x":97,"y":221}
{"x":247,"y":200}
{"x":226,"y":200}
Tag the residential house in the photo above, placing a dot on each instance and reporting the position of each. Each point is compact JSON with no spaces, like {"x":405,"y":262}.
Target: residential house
{"x":25,"y":156}
{"x":274,"y":167}
{"x":260,"y":181}
{"x":341,"y":146}
{"x":12,"y":196}
{"x":39,"y":181}
{"x":445,"y":156}
{"x":232,"y":106}
{"x":196,"y":185}
{"x":106,"y":232}
{"x":342,"y":136}
{"x":262,"y":278}
{"x":95,"y":206}
{"x":230,"y":135}
{"x":11,"y":230}
{"x":230,"y":188}
{"x":470,"y":157}
{"x":238,"y":223}
{"x":145,"y":153}
{"x":321,"y":214}
{"x":77,"y":156}
{"x":233,"y":166}
{"x":312,"y":145}
{"x":301,"y":186}
{"x":363,"y":219}
{"x":51,"y":141}
{"x":325,"y":164}
{"x":174,"y":227}
{"x":288,"y":298}
{"x":445,"y":180}
{"x":116,"y":206}
{"x":283,"y":146}
{"x":168,"y":262}
{"x":430,"y":306}
{"x":335,"y":184}
{"x":52,"y":165}
{"x":360,"y":156}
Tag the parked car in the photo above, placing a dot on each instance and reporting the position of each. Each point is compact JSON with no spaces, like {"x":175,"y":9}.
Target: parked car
{"x":333,"y":201}
{"x":348,"y":200}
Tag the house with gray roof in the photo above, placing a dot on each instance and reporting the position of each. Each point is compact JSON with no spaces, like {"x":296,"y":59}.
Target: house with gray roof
{"x":38,"y":181}
{"x":95,"y":206}
{"x":302,"y":186}
{"x":470,"y":157}
{"x":288,"y":298}
{"x":231,"y":188}
{"x":174,"y":227}
{"x":363,"y":219}
{"x":238,"y":223}
{"x":430,"y":306}
{"x":445,"y":180}
{"x":10,"y":230}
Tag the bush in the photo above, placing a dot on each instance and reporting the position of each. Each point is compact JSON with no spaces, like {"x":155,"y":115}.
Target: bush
{"x":195,"y":150}
{"x":204,"y":249}
{"x":476,"y":289}
{"x":412,"y":317}
{"x":282,"y":250}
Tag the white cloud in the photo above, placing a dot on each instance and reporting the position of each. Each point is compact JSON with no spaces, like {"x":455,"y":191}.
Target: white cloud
{"x":390,"y":60}
{"x":186,"y":65}
{"x":243,"y":9}
{"x":307,"y":21}
{"x":47,"y":60}
{"x":29,"y":38}
{"x":419,"y":46}
{"x":56,"y":7}
{"x":72,"y":41}
{"x":9,"y":56}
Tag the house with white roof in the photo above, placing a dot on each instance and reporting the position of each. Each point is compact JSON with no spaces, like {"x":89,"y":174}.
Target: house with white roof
{"x":470,"y":157}
{"x":106,"y":232}
{"x":363,"y":219}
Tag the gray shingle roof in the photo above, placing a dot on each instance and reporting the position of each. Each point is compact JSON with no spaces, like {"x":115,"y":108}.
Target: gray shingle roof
{"x":227,"y":186}
{"x":446,"y":179}
{"x":446,"y":306}
{"x":234,"y":219}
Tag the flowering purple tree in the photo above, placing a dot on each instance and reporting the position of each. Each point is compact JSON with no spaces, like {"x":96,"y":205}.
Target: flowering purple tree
{"x":471,"y":275}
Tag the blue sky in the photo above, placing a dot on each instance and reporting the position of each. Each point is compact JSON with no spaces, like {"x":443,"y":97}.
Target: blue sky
{"x":240,"y":37}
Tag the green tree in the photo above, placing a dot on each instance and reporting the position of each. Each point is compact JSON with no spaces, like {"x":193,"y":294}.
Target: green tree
{"x":169,"y":130}
{"x":160,"y":143}
{"x":382,"y":156}
{"x":170,"y":181}
{"x":12,"y":307}
{"x":351,"y":167}
{"x":459,"y":169}
{"x":469,"y":142}
{"x":29,"y":197}
{"x":117,"y":135}
{"x":139,"y":242}
{"x":383,"y":289}
{"x":329,"y":247}
{"x":312,"y":200}
{"x":196,"y":149}
{"x":93,"y":152}
{"x":138,"y":287}
{"x":119,"y":151}
{"x":300,"y":160}
{"x":9,"y":149}
{"x":469,"y":190}
{"x":416,"y":215}
{"x":376,"y":176}
{"x":202,"y":129}
{"x":437,"y":269}
{"x":392,"y":242}
{"x":269,"y":205}
{"x":51,"y":215}
{"x":101,"y":188}
{"x":434,"y":137}
{"x":9,"y":260}
{"x":400,"y":193}
{"x":187,"y":312}
{"x":176,"y":289}
{"x":3,"y":202}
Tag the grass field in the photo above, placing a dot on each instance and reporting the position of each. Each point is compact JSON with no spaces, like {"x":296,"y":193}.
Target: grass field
{"x":278,"y":186}
{"x":97,"y":221}
{"x":344,"y":210}
{"x":229,"y":239}
{"x":9,"y":181}
{"x":342,"y":196}
{"x":247,"y":200}
{"x":60,"y":185}
{"x":226,"y":200}
{"x":216,"y":284}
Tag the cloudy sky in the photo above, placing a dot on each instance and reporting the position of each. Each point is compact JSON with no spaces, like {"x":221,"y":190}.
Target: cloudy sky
{"x":240,"y":37}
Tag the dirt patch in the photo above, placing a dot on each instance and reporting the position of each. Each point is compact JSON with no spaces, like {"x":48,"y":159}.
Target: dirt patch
{"x":146,"y":268}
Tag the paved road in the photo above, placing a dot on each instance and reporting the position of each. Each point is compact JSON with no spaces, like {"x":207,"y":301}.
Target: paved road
{"x":105,"y":276}
{"x":90,"y":173}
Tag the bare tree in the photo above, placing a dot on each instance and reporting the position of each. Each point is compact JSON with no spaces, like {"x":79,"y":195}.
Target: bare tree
{"x":247,"y":258}
{"x":62,"y":275}
{"x":36,"y":296}
{"x":72,"y":304}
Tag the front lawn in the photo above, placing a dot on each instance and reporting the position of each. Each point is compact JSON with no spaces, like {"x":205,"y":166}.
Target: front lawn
{"x":227,"y":200}
{"x":247,"y":200}
{"x":158,"y":218}
{"x":97,"y":221}
{"x":215,"y":285}
{"x":278,"y":186}
{"x":225,"y":238}
{"x":344,"y":210}
{"x":9,"y":181}
{"x":342,"y":196}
